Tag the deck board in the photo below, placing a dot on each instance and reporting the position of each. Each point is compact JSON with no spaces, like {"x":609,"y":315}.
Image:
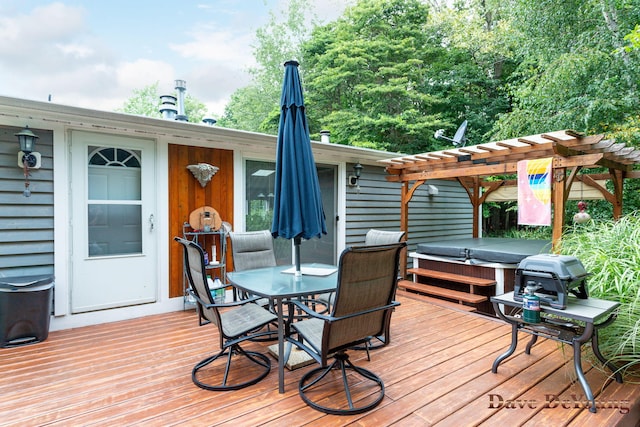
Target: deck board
{"x":437,"y":370}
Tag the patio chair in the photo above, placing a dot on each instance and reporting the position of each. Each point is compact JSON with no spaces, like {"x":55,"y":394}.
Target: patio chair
{"x":367,"y":279}
{"x":382,"y":237}
{"x":236,"y":322}
{"x":373,"y":237}
{"x":252,"y":249}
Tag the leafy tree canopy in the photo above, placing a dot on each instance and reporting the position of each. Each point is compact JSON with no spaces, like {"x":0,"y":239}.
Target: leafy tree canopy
{"x":582,"y":79}
{"x":387,"y":76}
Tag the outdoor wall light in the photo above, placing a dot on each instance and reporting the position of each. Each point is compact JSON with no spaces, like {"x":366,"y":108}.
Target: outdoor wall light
{"x":27,"y":158}
{"x":354,"y":179}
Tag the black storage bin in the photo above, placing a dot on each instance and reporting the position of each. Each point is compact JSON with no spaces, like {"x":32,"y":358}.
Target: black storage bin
{"x":25,"y":309}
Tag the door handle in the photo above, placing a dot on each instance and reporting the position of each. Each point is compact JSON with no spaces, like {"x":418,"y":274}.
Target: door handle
{"x":151,"y":222}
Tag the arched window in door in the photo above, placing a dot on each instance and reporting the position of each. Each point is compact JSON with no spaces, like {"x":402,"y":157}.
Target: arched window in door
{"x":114,"y":205}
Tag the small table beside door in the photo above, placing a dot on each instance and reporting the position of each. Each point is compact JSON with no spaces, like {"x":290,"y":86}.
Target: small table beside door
{"x":275,"y":284}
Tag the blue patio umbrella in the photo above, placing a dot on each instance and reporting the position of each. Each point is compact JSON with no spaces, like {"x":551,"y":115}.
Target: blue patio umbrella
{"x":298,"y":213}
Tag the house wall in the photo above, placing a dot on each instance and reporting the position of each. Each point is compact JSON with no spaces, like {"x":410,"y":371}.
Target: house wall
{"x":35,"y":233}
{"x":440,"y":217}
{"x":376,"y":204}
{"x":26,"y":223}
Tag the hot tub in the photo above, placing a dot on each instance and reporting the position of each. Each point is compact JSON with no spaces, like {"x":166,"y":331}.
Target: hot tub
{"x":487,"y":258}
{"x":485,"y":250}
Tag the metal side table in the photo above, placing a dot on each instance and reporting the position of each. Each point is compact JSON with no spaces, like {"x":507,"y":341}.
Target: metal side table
{"x":576,"y":325}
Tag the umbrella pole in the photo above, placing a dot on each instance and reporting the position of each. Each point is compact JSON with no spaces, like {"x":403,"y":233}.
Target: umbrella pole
{"x":296,"y":244}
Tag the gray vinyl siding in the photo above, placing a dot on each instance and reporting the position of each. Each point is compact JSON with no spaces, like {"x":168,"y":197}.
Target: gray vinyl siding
{"x":447,"y":215}
{"x":26,"y":223}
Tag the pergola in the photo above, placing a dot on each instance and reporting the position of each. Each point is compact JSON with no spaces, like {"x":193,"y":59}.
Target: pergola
{"x":470,"y":166}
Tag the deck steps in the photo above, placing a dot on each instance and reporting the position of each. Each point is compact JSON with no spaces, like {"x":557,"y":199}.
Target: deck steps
{"x":460,"y":290}
{"x":436,"y":301}
{"x":451,"y":277}
{"x":441,"y":292}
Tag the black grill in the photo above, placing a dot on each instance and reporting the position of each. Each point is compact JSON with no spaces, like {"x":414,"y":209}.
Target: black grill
{"x":554,"y":276}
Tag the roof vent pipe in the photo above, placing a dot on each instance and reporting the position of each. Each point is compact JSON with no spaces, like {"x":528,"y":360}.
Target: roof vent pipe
{"x":168,"y":107}
{"x":181,"y":87}
{"x":325,"y":136}
{"x":209,"y":121}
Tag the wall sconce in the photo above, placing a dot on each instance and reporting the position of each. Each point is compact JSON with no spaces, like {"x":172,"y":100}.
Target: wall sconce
{"x":354,"y":179}
{"x":27,"y":158}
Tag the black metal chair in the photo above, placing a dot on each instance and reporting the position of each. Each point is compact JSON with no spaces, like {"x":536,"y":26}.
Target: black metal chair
{"x":237,"y":322}
{"x":364,"y":302}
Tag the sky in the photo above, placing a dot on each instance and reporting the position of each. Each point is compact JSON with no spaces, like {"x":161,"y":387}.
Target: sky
{"x":95,"y":53}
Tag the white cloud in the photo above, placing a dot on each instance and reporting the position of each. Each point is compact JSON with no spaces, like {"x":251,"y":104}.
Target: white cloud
{"x":143,"y":72}
{"x":53,"y":49}
{"x":218,"y":46}
{"x":75,"y":50}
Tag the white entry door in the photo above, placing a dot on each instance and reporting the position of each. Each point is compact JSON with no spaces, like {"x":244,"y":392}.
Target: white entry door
{"x":114,"y":240}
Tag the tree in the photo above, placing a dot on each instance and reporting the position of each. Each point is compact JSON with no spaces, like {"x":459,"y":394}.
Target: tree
{"x":470,"y":72}
{"x":388,"y":74}
{"x":146,"y":102}
{"x":581,"y":79}
{"x":143,"y":102}
{"x":363,"y":76}
{"x":252,"y":108}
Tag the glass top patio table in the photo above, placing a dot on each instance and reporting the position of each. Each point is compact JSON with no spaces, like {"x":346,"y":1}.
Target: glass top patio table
{"x":273,"y":282}
{"x":277,"y":285}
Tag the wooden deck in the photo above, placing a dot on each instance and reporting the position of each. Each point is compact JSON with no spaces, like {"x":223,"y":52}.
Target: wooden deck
{"x":437,"y":371}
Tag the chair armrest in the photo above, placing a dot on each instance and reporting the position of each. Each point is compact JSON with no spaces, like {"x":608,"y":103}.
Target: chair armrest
{"x":327,"y":318}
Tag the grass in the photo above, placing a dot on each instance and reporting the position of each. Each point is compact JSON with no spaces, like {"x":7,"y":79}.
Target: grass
{"x":610,"y":252}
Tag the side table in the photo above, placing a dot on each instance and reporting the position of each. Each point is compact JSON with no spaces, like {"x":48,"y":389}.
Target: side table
{"x":576,"y":325}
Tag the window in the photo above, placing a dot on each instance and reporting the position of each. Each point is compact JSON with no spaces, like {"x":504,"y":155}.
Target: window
{"x":114,"y":208}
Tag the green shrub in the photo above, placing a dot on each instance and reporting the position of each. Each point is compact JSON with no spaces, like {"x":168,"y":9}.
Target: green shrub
{"x":610,"y":252}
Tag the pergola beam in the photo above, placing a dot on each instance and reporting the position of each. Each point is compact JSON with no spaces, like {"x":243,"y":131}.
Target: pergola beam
{"x":469,"y":165}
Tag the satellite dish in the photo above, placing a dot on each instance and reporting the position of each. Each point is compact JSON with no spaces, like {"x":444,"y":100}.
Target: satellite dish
{"x":458,"y":139}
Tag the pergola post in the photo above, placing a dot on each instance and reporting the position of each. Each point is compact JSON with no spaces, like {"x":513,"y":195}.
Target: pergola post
{"x":475,"y":202}
{"x":404,"y":222}
{"x":558,"y":194}
{"x":617,"y":178}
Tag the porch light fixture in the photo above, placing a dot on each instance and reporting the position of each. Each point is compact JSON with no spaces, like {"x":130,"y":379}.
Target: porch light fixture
{"x":354,"y":179}
{"x":27,"y":158}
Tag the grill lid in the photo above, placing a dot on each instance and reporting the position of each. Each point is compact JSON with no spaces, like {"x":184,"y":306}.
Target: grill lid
{"x":565,"y":267}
